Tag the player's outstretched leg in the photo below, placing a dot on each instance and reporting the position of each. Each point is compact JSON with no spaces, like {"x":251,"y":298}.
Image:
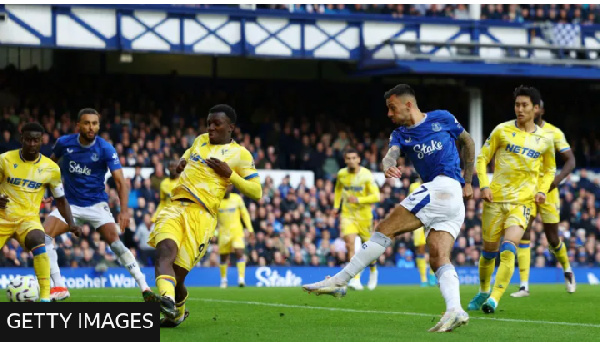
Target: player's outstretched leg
{"x":440,"y":245}
{"x":524,"y":261}
{"x":41,"y":263}
{"x":558,"y":248}
{"x":223,"y":269}
{"x":181,"y":295}
{"x":166,"y":252}
{"x":487,"y":264}
{"x":126,"y":258}
{"x":399,"y":221}
{"x":59,"y":291}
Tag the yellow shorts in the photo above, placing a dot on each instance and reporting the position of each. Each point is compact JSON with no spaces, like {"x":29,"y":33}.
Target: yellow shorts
{"x":18,"y":229}
{"x":228,"y":243}
{"x":362,"y":228}
{"x":419,"y":237}
{"x":190,"y":226}
{"x":550,"y":210}
{"x":498,"y":216}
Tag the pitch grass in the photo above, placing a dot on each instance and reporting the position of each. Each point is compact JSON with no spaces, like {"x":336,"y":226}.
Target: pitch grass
{"x":390,"y":313}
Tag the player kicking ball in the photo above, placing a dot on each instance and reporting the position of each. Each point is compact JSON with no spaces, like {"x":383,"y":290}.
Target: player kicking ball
{"x":550,"y":213}
{"x":184,"y":227}
{"x":429,"y":141}
{"x":84,"y":159}
{"x":24,"y":175}
{"x":231,"y":235}
{"x":355,"y":191}
{"x":523,"y":154}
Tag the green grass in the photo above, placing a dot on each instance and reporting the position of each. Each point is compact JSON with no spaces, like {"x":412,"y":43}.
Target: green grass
{"x":390,"y":313}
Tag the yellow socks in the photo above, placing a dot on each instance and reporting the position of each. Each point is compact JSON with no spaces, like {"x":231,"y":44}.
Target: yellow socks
{"x":241,"y":266}
{"x":561,"y":255}
{"x":487,"y":264}
{"x":223,"y":271}
{"x":41,"y":266}
{"x":422,"y":266}
{"x":508,"y":253}
{"x":166,"y":286}
{"x":524,"y":259}
{"x":373,"y":267}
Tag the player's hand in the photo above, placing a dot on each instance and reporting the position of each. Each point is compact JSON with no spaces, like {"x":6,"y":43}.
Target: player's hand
{"x":76,"y":230}
{"x":220,"y":167}
{"x":48,"y":200}
{"x":467,"y":191}
{"x":123,"y":220}
{"x":181,"y":166}
{"x":336,"y":212}
{"x":540,"y":198}
{"x":393,"y":172}
{"x":3,"y":201}
{"x":353,"y":199}
{"x":486,"y":194}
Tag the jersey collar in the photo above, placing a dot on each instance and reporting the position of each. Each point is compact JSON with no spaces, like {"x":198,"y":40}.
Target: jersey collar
{"x":419,"y":123}
{"x":88,"y":146}
{"x":536,"y":127}
{"x":25,"y":161}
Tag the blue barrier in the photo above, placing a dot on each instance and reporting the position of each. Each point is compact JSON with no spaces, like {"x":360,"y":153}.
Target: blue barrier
{"x":284,"y":276}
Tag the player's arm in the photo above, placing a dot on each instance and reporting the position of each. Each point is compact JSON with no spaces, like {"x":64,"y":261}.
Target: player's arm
{"x":184,"y":159}
{"x":373,"y":196}
{"x":246,"y":217}
{"x":3,"y":198}
{"x":548,"y":170}
{"x":123,"y":190}
{"x":249,"y":184}
{"x":467,"y":151}
{"x":389,"y":162}
{"x":62,"y":204}
{"x":566,"y":154}
{"x":483,"y":159}
{"x":337,"y":202}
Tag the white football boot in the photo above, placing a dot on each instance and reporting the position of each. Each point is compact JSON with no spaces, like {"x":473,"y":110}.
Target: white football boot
{"x":450,"y":321}
{"x":327,"y":286}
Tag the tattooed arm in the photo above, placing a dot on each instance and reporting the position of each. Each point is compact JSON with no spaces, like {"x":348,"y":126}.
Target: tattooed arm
{"x":467,"y":154}
{"x":390,"y":161}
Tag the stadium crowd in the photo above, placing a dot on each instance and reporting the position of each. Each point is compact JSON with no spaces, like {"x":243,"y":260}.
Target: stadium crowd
{"x":294,"y":225}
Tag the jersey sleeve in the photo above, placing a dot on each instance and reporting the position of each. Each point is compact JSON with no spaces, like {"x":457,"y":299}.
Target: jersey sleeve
{"x":338,"y":191}
{"x":372,"y":190}
{"x":58,"y":148}
{"x":395,"y":139}
{"x":55,"y":183}
{"x":450,"y":124}
{"x":245,"y":215}
{"x":487,"y":152}
{"x":246,"y":168}
{"x":112,"y":158}
{"x":560,"y":142}
{"x":163,"y":195}
{"x":548,"y":169}
{"x":245,"y":177}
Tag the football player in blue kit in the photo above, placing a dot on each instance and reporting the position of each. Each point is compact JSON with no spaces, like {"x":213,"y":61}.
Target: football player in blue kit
{"x":428,"y":139}
{"x":84,"y":159}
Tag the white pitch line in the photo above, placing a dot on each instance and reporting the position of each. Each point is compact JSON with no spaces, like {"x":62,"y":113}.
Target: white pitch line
{"x":338,"y":309}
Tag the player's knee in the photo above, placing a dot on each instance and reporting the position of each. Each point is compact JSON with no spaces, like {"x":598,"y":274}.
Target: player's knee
{"x":166,"y":251}
{"x":489,"y":255}
{"x":508,"y":246}
{"x":35,"y":238}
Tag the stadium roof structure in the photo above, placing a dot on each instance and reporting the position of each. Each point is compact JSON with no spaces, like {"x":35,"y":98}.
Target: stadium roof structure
{"x":378,"y":44}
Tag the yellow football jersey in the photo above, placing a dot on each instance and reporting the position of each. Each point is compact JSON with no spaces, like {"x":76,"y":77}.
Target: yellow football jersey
{"x":362,"y":186}
{"x":230,"y":211}
{"x":555,"y":135}
{"x":166,"y":186}
{"x":24,"y":182}
{"x":198,"y":182}
{"x":520,"y":158}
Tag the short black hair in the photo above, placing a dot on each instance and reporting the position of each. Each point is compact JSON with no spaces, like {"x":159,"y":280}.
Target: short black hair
{"x":533,"y":94}
{"x":351,"y":150}
{"x":399,"y":90}
{"x":86,"y":111}
{"x":228,"y":110}
{"x":33,"y":127}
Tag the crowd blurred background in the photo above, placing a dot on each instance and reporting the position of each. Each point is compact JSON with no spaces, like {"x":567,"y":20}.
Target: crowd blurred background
{"x":285,"y":125}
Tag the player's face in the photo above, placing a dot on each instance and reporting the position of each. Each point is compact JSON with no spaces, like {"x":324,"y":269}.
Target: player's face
{"x":524,"y":109}
{"x":539,"y":113}
{"x":352,"y":160}
{"x":173,"y":169}
{"x":398,"y":109}
{"x":219,"y":128}
{"x":89,"y":125}
{"x":32,"y":142}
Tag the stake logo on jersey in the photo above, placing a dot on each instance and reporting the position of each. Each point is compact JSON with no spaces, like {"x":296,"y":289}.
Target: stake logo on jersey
{"x":84,"y":168}
{"x":430,"y":145}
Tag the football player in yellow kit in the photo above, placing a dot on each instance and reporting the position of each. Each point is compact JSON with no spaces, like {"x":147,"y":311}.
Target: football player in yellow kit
{"x":355,"y":192}
{"x":184,"y":227}
{"x":231,"y":234}
{"x":523,"y":154}
{"x":24,"y":175}
{"x":166,"y":186}
{"x":550,"y":213}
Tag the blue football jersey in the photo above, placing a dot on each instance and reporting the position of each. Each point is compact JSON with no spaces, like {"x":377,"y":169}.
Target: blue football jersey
{"x":84,"y":169}
{"x":431,"y":146}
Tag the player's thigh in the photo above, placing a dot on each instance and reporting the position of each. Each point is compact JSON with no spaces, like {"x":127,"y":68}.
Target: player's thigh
{"x":169,"y":226}
{"x":364,"y":230}
{"x":492,"y":222}
{"x":55,"y":225}
{"x":549,"y":212}
{"x":225,"y":244}
{"x":238,"y":242}
{"x":7,"y":230}
{"x":349,"y":227}
{"x":30,"y":233}
{"x":419,"y":238}
{"x":440,"y":244}
{"x":400,"y":220}
{"x":199,"y":225}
